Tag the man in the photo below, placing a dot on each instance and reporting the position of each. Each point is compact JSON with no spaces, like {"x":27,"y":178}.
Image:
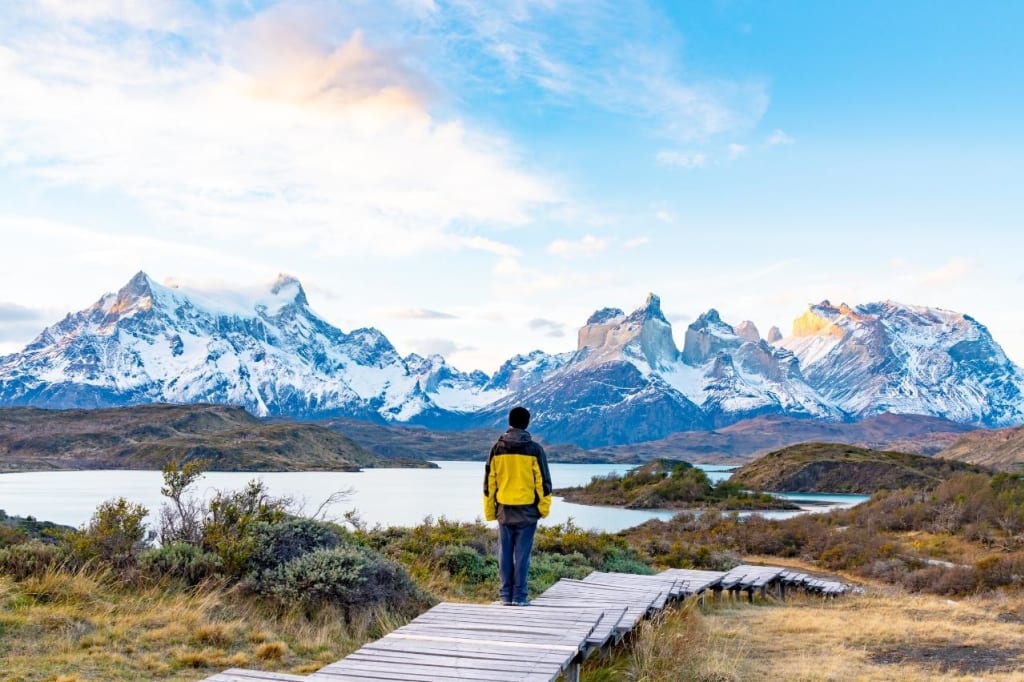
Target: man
{"x":517,"y":492}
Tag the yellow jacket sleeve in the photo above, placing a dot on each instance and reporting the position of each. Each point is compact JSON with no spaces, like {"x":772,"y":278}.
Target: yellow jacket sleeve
{"x":491,"y":496}
{"x":544,"y":503}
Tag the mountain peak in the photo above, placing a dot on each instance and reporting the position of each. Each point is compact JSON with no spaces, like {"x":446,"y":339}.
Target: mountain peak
{"x":651,"y":310}
{"x":135,"y":296}
{"x":606,"y":316}
{"x":284,"y":284}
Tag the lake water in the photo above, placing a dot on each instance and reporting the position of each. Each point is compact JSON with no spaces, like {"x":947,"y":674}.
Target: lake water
{"x":399,"y":497}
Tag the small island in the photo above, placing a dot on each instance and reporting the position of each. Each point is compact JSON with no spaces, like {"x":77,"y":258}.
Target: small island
{"x":670,"y":484}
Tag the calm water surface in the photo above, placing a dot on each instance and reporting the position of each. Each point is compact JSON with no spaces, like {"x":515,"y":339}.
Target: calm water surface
{"x":400,"y":497}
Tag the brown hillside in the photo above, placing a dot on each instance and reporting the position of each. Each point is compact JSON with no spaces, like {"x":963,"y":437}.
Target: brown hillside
{"x":148,"y":436}
{"x":841,"y":468}
{"x":1001,"y":449}
{"x":751,"y":438}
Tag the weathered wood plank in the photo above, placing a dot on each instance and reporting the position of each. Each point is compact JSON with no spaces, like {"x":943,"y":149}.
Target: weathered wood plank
{"x":243,"y":675}
{"x":438,"y":671}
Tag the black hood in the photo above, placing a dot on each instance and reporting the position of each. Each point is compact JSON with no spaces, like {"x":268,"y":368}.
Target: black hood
{"x":515,"y":436}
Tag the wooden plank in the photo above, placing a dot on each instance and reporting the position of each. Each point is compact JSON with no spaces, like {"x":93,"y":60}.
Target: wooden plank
{"x":458,"y":662}
{"x":438,"y":671}
{"x":243,"y":675}
{"x":457,"y":649}
{"x":491,"y":642}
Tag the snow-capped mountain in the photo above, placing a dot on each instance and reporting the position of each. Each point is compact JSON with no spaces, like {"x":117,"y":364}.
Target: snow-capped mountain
{"x":627,"y":381}
{"x":265,"y":350}
{"x":903,"y":359}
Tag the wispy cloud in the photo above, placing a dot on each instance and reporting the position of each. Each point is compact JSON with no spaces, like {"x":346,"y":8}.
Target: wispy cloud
{"x":619,"y":55}
{"x":635,"y":242}
{"x":548,"y":327}
{"x":681,"y":159}
{"x":778,"y":137}
{"x":947,"y":274}
{"x":266,"y":129}
{"x":438,"y":346}
{"x":19,"y":323}
{"x":491,"y":246}
{"x":416,"y":314}
{"x":679,"y":318}
{"x":586,"y":246}
{"x":737,"y":150}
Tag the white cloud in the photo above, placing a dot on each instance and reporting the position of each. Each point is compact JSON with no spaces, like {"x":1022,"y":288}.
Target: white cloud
{"x":587,"y":246}
{"x":437,"y":346}
{"x":737,"y":150}
{"x":508,"y":266}
{"x":620,"y":55}
{"x":267,"y":134}
{"x":947,"y":274}
{"x":668,"y":157}
{"x":778,"y":137}
{"x":549,"y":328}
{"x":416,"y":314}
{"x":489,"y":245}
{"x":635,"y":242}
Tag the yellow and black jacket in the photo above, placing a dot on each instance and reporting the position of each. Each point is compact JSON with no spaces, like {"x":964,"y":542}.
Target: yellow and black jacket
{"x":517,"y":483}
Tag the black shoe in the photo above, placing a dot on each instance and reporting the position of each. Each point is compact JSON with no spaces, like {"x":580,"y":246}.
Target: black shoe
{"x":507,"y":603}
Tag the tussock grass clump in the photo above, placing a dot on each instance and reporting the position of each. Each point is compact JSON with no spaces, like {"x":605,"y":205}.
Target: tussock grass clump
{"x":271,"y":651}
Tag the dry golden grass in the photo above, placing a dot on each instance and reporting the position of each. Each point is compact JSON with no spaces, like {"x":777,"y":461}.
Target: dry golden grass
{"x":876,"y":636}
{"x":271,"y":651}
{"x":884,"y":634}
{"x":88,"y":627}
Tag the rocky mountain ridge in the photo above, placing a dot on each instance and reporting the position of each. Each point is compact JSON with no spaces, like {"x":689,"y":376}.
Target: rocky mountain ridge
{"x":626,"y":382}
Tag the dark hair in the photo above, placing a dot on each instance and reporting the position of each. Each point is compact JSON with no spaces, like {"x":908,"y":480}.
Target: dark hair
{"x":519,"y":417}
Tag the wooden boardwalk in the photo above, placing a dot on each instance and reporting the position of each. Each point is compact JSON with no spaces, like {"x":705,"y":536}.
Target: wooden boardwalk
{"x":549,"y":638}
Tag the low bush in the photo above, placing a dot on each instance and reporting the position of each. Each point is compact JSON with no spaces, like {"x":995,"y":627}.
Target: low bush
{"x":30,"y":559}
{"x":278,"y":543}
{"x":469,"y":565}
{"x":346,"y":576}
{"x":115,"y":535}
{"x":182,"y":561}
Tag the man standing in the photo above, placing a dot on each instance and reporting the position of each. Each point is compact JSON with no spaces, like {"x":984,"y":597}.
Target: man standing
{"x":517,"y":492}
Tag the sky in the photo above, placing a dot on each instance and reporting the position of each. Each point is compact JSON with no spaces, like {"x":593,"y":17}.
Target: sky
{"x":476,"y":178}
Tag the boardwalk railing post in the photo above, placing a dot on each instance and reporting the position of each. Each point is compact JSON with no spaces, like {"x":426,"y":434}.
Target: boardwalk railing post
{"x":572,"y":673}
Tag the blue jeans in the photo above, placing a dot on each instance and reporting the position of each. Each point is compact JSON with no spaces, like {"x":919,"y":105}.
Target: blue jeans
{"x":514,"y":560}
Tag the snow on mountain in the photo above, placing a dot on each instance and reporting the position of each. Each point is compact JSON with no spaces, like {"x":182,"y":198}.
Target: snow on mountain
{"x":626,"y":381}
{"x":264,"y":349}
{"x":904,"y":359}
{"x":732,"y":376}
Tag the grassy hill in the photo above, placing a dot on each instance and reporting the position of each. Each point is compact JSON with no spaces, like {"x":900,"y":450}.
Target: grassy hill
{"x":668,"y":484}
{"x":1001,"y":449}
{"x":841,"y":468}
{"x":148,"y":436}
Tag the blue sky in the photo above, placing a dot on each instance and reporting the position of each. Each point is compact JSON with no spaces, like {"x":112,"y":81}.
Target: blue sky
{"x":476,"y":178}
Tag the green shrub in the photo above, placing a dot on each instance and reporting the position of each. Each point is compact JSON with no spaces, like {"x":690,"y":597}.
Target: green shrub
{"x":115,"y":535}
{"x":469,"y":565}
{"x":11,"y":536}
{"x":625,"y":561}
{"x":547,"y":568}
{"x":229,"y":530}
{"x":278,"y":543}
{"x":182,"y":561}
{"x":30,"y":559}
{"x":346,"y":576}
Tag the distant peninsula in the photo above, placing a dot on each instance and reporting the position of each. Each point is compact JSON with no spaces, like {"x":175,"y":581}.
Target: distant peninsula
{"x":840,"y":468}
{"x":148,"y":436}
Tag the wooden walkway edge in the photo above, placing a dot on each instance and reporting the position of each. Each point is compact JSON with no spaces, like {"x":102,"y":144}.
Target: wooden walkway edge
{"x":538,"y":643}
